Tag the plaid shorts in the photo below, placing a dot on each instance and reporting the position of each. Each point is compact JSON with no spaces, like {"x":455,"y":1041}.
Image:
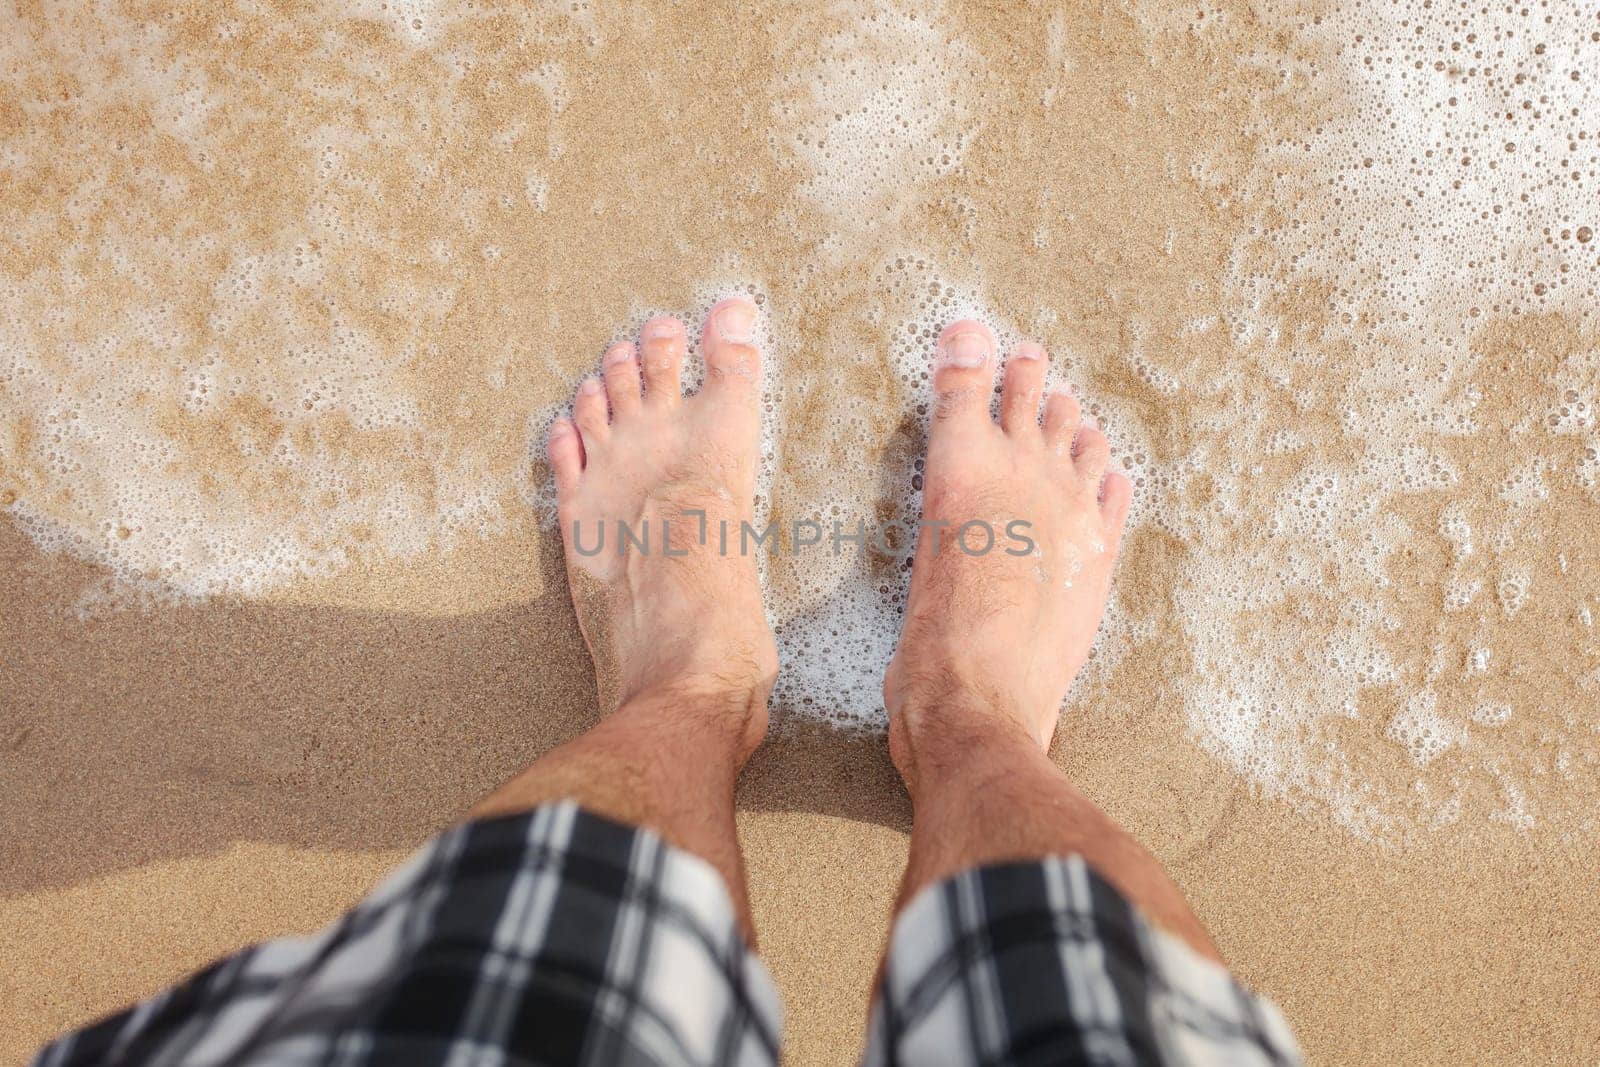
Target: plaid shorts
{"x":559,"y":937}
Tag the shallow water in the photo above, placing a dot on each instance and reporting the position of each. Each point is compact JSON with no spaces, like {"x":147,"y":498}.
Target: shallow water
{"x":289,"y":296}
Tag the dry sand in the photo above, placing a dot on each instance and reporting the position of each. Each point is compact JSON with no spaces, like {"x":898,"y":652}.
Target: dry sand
{"x":186,"y":775}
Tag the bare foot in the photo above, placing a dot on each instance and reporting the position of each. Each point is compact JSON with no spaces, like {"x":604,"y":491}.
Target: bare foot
{"x":674,"y":613}
{"x":999,"y":633}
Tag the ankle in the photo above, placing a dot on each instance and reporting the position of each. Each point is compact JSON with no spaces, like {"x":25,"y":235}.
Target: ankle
{"x":708,"y":667}
{"x":702,"y":710}
{"x":940,"y":742}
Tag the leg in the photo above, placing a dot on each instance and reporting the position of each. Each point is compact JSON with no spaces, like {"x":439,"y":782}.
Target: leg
{"x":563,"y":937}
{"x":991,"y":642}
{"x":668,"y":760}
{"x":682,"y":652}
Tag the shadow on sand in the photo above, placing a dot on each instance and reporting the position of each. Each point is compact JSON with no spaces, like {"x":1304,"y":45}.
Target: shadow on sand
{"x":138,"y":737}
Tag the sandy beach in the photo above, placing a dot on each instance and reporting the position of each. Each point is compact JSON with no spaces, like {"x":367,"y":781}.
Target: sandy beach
{"x":288,"y":298}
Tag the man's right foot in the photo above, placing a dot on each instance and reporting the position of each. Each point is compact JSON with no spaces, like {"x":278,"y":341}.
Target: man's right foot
{"x":996,"y":634}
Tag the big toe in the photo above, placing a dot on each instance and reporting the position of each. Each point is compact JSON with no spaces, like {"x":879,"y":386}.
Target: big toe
{"x":728,"y":343}
{"x":963,"y":375}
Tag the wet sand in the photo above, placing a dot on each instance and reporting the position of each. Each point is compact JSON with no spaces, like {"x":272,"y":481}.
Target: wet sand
{"x":186,"y":774}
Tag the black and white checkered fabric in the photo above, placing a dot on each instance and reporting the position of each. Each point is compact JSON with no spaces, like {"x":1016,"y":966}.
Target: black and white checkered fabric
{"x":551,"y":937}
{"x":559,"y":937}
{"x":1045,"y":962}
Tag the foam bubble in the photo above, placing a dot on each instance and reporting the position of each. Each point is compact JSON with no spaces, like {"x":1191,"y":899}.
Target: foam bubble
{"x":1449,"y":173}
{"x":1425,"y":733}
{"x":880,"y":108}
{"x":209,"y":400}
{"x":1422,"y":182}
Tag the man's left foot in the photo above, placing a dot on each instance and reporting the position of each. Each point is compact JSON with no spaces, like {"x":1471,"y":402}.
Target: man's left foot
{"x":676,"y":613}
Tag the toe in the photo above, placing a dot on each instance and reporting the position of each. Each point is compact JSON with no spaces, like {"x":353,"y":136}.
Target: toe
{"x":963,"y":373}
{"x":589,"y":412}
{"x":1116,"y":493}
{"x":1060,"y":419}
{"x":733,"y":362}
{"x":565,"y":451}
{"x":661,"y":355}
{"x":1019,"y":397}
{"x":621,"y":369}
{"x":1091,"y":452}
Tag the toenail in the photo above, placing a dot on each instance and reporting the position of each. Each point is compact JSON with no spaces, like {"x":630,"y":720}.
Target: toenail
{"x":968,"y":348}
{"x":661,"y":329}
{"x":560,"y":428}
{"x":590,"y":386}
{"x":1029,"y":351}
{"x":617,"y":354}
{"x":734,"y":322}
{"x":1090,"y":422}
